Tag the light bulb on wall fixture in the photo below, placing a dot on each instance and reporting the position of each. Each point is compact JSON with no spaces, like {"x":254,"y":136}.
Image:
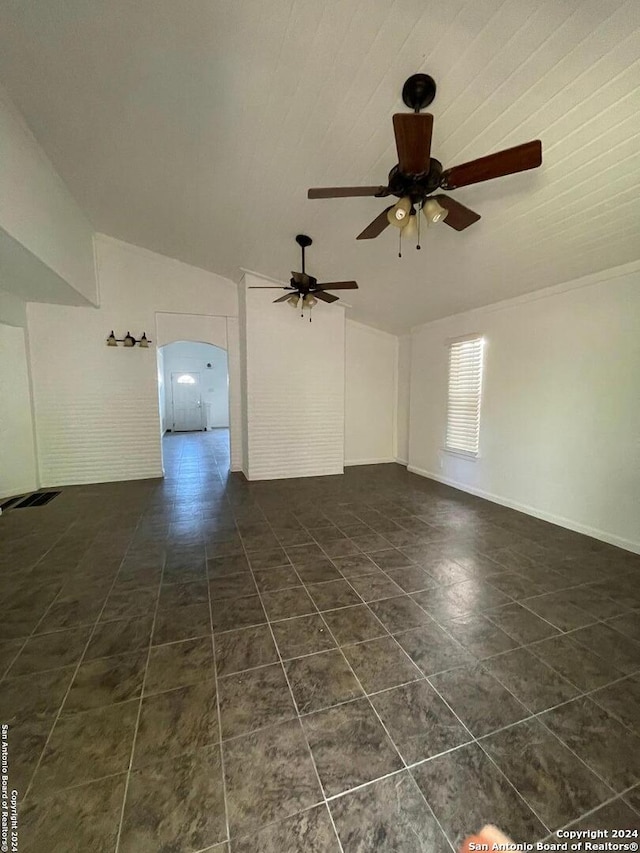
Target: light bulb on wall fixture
{"x":434,"y":212}
{"x":112,"y":341}
{"x":398,"y":214}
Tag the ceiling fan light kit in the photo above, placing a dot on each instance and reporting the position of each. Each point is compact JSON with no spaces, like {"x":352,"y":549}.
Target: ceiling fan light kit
{"x":434,"y":212}
{"x":303,"y":290}
{"x":418,"y":176}
{"x":411,"y":227}
{"x":399,"y":213}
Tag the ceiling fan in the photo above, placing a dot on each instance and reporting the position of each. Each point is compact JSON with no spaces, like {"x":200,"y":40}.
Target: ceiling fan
{"x":303,"y":290}
{"x":417,"y":177}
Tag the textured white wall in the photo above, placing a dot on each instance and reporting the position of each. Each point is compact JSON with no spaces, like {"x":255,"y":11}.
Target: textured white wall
{"x":370,"y":395}
{"x":294,"y":387}
{"x":236,"y":423}
{"x":187,"y":356}
{"x":17,"y":453}
{"x":97,"y":415}
{"x":38,"y":212}
{"x":403,"y":399}
{"x":560,"y":422}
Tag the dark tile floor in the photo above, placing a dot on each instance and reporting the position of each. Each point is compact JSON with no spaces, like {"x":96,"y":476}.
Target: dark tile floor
{"x":371,"y":662}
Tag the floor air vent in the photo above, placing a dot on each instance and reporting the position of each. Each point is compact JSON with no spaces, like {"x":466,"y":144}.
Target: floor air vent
{"x":10,"y":502}
{"x":36,"y":499}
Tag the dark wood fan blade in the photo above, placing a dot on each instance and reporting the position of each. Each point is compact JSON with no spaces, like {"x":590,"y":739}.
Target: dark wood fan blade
{"x":284,"y":298}
{"x":376,"y":227}
{"x":325,"y":297}
{"x":269,"y":287}
{"x":346,"y":192}
{"x":507,"y":162}
{"x":459,"y":216}
{"x":338,"y":285}
{"x":413,"y":141}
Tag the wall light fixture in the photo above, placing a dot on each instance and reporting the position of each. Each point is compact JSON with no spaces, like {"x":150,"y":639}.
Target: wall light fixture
{"x":128,"y":340}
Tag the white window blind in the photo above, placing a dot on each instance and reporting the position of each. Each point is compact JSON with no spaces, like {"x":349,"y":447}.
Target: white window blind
{"x":465,"y":392}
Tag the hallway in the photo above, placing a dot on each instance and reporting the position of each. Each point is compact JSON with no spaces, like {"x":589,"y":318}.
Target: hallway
{"x":367,"y":662}
{"x":191,"y":458}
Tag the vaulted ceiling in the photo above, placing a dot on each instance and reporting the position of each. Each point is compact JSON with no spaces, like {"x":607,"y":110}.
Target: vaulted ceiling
{"x":194,"y":128}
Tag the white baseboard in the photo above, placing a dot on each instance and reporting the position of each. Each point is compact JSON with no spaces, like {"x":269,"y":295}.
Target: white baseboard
{"x":402,"y":461}
{"x":595,"y":532}
{"x":350,"y":462}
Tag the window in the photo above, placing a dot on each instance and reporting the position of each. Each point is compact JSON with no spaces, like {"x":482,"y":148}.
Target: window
{"x":465,"y":392}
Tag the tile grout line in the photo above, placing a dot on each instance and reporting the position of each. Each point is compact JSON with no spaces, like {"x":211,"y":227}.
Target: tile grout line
{"x":295,"y":706}
{"x":72,"y":680}
{"x":534,"y":715}
{"x":596,"y":809}
{"x":47,"y":609}
{"x":486,"y":613}
{"x":476,"y":741}
{"x":219,"y":717}
{"x":405,"y":766}
{"x":12,"y":660}
{"x":537,"y":716}
{"x":139,"y":714}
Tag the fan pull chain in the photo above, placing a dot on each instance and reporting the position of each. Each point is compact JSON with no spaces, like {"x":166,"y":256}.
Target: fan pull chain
{"x":400,"y":243}
{"x":418,"y":246}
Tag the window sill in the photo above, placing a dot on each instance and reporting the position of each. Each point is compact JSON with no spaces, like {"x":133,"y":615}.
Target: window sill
{"x":461,"y":454}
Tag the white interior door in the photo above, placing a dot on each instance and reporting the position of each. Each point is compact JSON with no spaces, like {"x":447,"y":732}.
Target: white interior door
{"x":188,"y":412}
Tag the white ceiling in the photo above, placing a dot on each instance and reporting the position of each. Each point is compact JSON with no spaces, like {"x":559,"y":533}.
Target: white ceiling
{"x":194,"y":128}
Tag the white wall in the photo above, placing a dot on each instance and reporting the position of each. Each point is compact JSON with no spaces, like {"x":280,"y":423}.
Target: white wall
{"x":560,"y":423}
{"x":162,"y":391}
{"x":38,"y":214}
{"x":13,"y":311}
{"x":294,"y":387}
{"x":17,"y":453}
{"x":403,"y":399}
{"x":97,"y":415}
{"x":191,"y":357}
{"x":370,"y":395}
{"x":172,"y":327}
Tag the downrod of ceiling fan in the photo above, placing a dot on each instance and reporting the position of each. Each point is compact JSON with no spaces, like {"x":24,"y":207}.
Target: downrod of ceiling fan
{"x":303,"y":241}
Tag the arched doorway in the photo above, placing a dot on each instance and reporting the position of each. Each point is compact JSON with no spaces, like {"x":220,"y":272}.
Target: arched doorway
{"x":193,"y":399}
{"x":223,"y":333}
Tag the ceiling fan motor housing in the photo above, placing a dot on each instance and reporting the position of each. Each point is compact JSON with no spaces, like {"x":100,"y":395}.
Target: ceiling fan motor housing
{"x":417,"y":187}
{"x":306,"y":286}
